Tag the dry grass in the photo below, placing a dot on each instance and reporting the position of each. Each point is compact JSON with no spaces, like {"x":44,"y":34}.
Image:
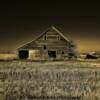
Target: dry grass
{"x":21,"y":80}
{"x":7,"y":56}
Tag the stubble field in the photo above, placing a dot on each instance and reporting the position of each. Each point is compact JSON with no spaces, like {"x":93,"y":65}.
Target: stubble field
{"x":58,"y":80}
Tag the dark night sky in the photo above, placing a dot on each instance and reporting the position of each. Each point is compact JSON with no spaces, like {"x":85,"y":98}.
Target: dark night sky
{"x":21,"y":21}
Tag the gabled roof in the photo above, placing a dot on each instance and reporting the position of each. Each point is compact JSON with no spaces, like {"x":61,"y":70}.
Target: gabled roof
{"x":61,"y":34}
{"x":50,"y":28}
{"x":56,"y":30}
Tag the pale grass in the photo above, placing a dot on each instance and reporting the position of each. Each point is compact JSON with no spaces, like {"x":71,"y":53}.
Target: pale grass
{"x":8,"y":56}
{"x":22,"y":80}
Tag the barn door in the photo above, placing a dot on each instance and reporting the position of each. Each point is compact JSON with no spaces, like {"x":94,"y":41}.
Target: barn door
{"x":23,"y":54}
{"x":52,"y":54}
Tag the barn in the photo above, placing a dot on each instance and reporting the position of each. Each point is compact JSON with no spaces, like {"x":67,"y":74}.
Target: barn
{"x":50,"y":45}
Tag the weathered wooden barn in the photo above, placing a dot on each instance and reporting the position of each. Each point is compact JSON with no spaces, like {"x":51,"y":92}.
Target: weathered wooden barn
{"x":51,"y":44}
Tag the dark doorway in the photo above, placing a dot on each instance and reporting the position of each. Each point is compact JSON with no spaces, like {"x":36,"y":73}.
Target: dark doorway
{"x":44,"y":46}
{"x":52,"y":54}
{"x":23,"y":54}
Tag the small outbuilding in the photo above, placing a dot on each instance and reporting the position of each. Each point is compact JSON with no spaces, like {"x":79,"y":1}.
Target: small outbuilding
{"x":51,"y":44}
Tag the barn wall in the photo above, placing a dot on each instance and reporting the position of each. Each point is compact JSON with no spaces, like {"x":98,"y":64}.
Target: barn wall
{"x":50,"y":41}
{"x":53,"y":42}
{"x":34,"y":54}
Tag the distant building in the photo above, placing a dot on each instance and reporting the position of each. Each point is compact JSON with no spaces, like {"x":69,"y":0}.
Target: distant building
{"x":51,"y":44}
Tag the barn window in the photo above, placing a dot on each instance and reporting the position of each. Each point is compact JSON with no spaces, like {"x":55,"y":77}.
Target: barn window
{"x":52,"y":37}
{"x":45,"y":37}
{"x":62,"y":52}
{"x":44,"y":47}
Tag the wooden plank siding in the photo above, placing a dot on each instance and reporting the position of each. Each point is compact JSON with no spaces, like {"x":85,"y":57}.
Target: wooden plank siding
{"x":51,"y":40}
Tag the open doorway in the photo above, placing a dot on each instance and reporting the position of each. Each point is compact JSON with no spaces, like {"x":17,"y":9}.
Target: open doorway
{"x":52,"y":54}
{"x":23,"y":54}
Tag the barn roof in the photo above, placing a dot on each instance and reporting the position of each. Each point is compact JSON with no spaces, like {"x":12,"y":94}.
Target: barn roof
{"x":50,"y":28}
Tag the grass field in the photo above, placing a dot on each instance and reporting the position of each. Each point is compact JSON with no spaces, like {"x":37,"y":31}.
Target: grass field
{"x":68,"y":80}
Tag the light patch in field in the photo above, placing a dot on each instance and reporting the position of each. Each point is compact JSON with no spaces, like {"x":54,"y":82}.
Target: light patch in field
{"x":7,"y":56}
